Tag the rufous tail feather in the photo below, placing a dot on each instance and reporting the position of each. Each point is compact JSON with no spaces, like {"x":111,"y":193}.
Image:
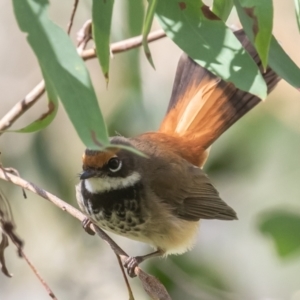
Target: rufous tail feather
{"x":203,"y":106}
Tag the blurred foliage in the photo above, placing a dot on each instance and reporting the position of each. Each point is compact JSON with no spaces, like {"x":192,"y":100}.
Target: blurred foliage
{"x":251,"y":133}
{"x":46,"y":167}
{"x":185,"y":277}
{"x":131,"y":110}
{"x":284,"y":228}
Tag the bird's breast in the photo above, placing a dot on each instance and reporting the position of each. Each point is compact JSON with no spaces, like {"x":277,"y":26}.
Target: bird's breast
{"x":117,"y":210}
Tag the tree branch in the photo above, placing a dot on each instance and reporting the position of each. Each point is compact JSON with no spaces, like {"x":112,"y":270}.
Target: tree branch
{"x":31,"y":98}
{"x":75,"y":5}
{"x":35,"y":271}
{"x":151,"y":285}
{"x":125,"y":45}
{"x":8,"y":229}
{"x":22,"y":106}
{"x":5,"y":175}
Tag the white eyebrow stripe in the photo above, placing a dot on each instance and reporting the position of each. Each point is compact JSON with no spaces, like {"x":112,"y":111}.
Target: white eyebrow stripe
{"x":104,"y":184}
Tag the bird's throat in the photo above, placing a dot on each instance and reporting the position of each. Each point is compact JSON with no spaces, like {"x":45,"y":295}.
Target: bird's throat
{"x":104,"y":184}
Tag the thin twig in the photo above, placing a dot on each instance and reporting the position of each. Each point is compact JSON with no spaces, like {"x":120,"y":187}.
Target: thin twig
{"x":35,"y":271}
{"x":72,"y":16}
{"x":62,"y":205}
{"x":8,"y":227}
{"x":21,"y":107}
{"x":150,"y":284}
{"x":84,"y":35}
{"x":44,"y":194}
{"x":31,"y":98}
{"x":15,"y":172}
{"x":125,"y":45}
{"x":130,"y":294}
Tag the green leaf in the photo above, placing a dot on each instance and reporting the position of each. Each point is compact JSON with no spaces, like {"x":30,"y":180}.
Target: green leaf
{"x":279,"y":61}
{"x":284,"y":228}
{"x":147,"y":27}
{"x":297,"y":10}
{"x":64,"y":69}
{"x":205,"y":38}
{"x":257,"y":20}
{"x":283,"y":65}
{"x":45,"y":119}
{"x":102,"y":14}
{"x":135,"y":12}
{"x":222,"y":8}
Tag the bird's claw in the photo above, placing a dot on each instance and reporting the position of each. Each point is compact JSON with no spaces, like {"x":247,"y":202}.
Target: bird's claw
{"x":131,"y":263}
{"x":86,"y":226}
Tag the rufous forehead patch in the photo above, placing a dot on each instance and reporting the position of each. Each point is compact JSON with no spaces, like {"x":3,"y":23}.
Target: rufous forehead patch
{"x":97,"y":159}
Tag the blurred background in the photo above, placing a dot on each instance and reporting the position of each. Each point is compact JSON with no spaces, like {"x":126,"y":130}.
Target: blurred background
{"x":255,"y":166}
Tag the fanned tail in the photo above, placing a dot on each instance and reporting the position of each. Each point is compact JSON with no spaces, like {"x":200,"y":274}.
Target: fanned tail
{"x":203,"y":106}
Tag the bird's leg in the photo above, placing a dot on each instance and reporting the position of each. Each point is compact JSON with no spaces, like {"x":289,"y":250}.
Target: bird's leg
{"x":133,"y":262}
{"x":86,"y":226}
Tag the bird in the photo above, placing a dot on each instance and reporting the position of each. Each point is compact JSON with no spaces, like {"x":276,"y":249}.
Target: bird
{"x":160,"y":197}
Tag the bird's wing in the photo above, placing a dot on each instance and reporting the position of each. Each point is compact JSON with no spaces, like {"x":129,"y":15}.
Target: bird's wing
{"x":190,"y":194}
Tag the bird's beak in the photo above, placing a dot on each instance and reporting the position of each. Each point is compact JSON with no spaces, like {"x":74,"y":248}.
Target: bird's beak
{"x":87,"y":174}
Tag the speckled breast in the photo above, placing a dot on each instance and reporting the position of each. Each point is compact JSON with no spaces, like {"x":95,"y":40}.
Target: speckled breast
{"x":117,"y":210}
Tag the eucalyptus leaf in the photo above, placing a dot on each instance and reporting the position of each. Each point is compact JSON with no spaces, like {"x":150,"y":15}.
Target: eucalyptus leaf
{"x":65,"y":70}
{"x":45,"y":119}
{"x":147,"y":27}
{"x":297,"y":10}
{"x":279,"y":61}
{"x":102,"y":15}
{"x":206,"y":39}
{"x":259,"y":23}
{"x":222,"y":8}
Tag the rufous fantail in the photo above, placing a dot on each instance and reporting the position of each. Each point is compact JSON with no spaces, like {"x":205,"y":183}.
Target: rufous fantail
{"x":159,"y":199}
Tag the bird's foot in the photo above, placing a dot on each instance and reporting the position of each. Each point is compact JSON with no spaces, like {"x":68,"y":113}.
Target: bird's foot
{"x":86,"y":226}
{"x":131,"y":263}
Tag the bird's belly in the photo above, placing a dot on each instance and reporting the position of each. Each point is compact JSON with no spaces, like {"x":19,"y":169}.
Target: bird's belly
{"x":125,"y":222}
{"x":175,"y":236}
{"x":123,"y":213}
{"x":172,"y":235}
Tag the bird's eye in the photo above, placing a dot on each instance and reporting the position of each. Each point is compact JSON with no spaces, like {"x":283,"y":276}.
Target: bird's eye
{"x":114,"y":164}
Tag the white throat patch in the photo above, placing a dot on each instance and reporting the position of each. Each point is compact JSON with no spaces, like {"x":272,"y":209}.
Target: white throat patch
{"x":104,"y":184}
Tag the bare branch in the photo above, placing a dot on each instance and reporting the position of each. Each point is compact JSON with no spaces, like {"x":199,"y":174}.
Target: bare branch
{"x":125,"y":45}
{"x":44,"y":194}
{"x":21,"y":107}
{"x":84,"y":35}
{"x":72,"y":16}
{"x":62,"y":205}
{"x":151,"y":285}
{"x":35,"y":271}
{"x":8,"y":229}
{"x":130,"y":294}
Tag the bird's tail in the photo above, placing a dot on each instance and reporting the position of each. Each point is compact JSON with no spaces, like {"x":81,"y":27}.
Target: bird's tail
{"x":203,"y":106}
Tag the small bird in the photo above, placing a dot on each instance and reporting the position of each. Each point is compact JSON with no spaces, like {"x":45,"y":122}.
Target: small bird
{"x":160,"y":198}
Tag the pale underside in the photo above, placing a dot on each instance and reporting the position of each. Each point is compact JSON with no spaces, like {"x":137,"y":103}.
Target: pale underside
{"x":176,"y":238}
